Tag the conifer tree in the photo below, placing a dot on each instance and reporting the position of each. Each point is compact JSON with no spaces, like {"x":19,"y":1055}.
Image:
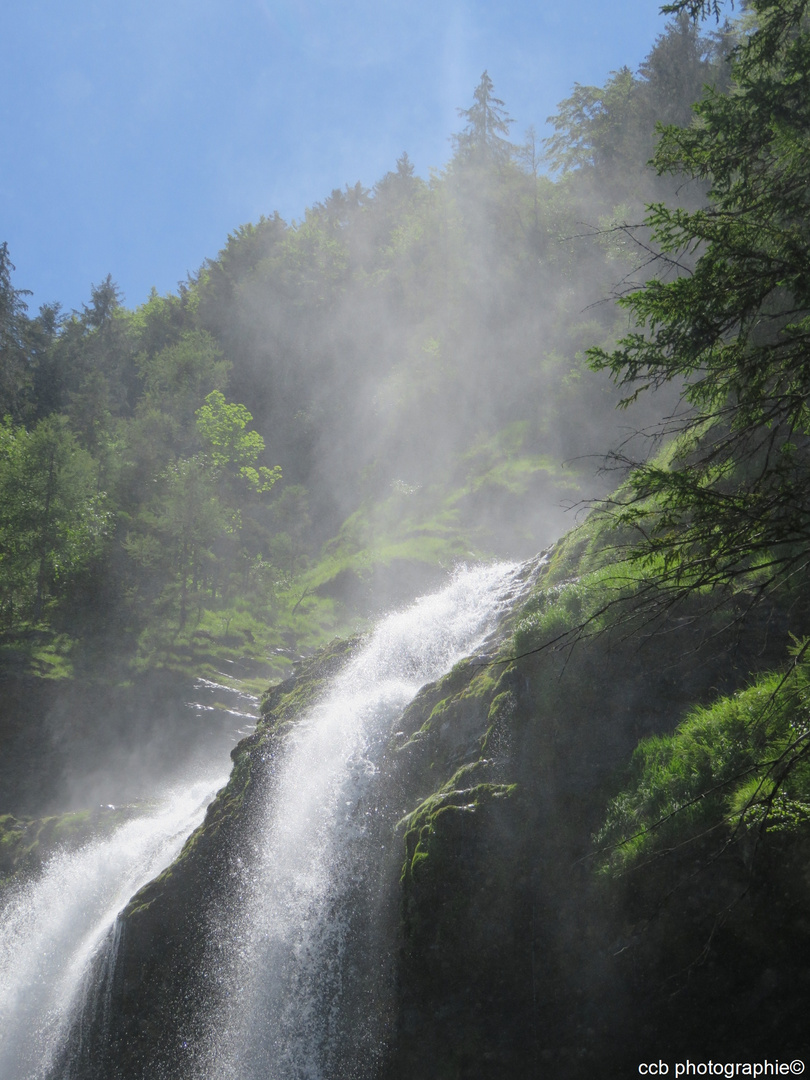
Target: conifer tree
{"x":15,"y":371}
{"x":732,"y":503}
{"x":484,"y":139}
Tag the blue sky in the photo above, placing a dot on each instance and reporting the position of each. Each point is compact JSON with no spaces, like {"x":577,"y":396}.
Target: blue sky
{"x":135,"y":135}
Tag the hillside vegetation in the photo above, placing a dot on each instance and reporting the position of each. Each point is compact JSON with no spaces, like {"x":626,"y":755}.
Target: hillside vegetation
{"x":332,"y":409}
{"x":602,"y":858}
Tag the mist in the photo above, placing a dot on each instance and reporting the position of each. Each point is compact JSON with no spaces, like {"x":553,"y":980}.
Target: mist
{"x":213,"y":500}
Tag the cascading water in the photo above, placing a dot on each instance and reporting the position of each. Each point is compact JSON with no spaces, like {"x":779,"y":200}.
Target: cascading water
{"x":302,"y":984}
{"x":295,"y":978}
{"x":52,"y":929}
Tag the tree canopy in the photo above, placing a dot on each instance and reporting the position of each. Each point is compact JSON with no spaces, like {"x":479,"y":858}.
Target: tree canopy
{"x":484,"y":138}
{"x":403,"y":337}
{"x":727,"y":318}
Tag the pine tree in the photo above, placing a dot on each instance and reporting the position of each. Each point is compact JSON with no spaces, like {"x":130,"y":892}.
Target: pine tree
{"x":15,"y":367}
{"x":732,"y":503}
{"x":483,"y":140}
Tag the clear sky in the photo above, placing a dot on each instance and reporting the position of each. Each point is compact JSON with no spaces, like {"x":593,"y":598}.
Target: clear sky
{"x":136,"y":134}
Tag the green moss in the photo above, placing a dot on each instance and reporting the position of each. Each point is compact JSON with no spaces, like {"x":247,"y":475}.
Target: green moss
{"x":456,"y":707}
{"x":502,"y":707}
{"x":593,"y":598}
{"x":729,"y":769}
{"x":221,"y":815}
{"x":289,"y":699}
{"x":455,"y":517}
{"x":460,"y":795}
{"x":213,"y":639}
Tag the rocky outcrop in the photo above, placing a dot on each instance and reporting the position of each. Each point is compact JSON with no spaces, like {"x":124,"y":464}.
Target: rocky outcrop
{"x":511,"y":956}
{"x":156,"y":989}
{"x":516,"y":958}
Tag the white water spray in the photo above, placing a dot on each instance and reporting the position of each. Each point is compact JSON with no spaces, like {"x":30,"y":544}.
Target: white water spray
{"x":51,"y":929}
{"x":288,"y":968}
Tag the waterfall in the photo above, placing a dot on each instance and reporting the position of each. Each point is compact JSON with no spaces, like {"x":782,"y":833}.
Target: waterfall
{"x":53,"y":929}
{"x":302,"y":981}
{"x":297,"y":963}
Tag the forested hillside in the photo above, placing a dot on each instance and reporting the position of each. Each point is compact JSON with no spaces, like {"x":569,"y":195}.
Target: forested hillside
{"x":331,"y":409}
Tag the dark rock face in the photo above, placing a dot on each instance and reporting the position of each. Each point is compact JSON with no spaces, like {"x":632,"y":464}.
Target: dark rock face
{"x":516,"y":959}
{"x":510,"y":957}
{"x":158,"y":986}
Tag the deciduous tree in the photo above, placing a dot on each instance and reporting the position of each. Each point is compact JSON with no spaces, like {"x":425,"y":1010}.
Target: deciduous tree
{"x":54,"y":518}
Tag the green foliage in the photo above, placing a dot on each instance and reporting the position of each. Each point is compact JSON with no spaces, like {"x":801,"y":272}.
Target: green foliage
{"x":54,"y":520}
{"x":483,"y":140}
{"x":587,"y":125}
{"x":178,"y":376}
{"x":727,"y":318}
{"x":405,"y":351}
{"x":561,"y":614}
{"x":606,"y":135}
{"x":239,"y":638}
{"x":14,"y":368}
{"x":222,"y":428}
{"x":27,"y":843}
{"x":696,"y":9}
{"x":735,"y":771}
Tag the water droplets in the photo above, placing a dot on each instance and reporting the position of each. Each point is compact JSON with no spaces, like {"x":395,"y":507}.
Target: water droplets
{"x":301,"y":920}
{"x":51,"y":929}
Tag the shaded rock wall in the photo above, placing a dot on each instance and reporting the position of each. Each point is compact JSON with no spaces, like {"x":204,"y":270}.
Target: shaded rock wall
{"x":510,"y":956}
